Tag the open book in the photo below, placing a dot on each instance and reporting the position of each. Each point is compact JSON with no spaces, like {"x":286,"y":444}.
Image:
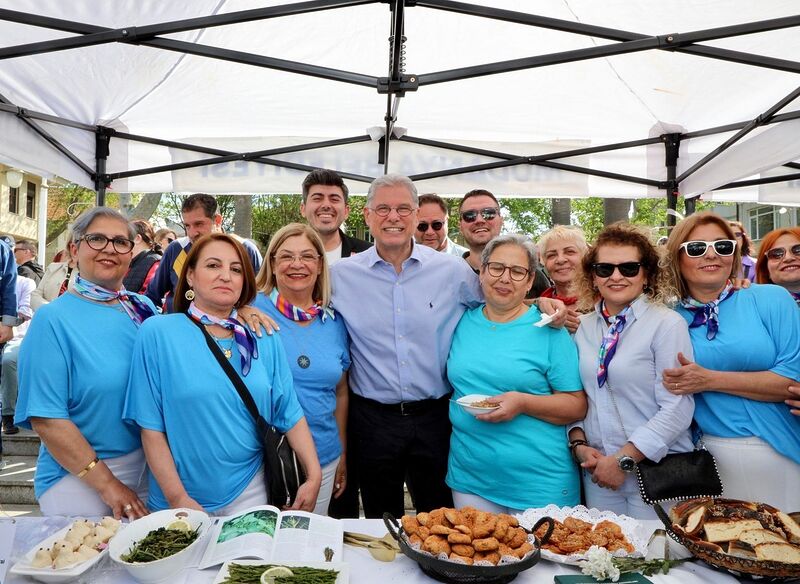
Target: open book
{"x":265,"y":533}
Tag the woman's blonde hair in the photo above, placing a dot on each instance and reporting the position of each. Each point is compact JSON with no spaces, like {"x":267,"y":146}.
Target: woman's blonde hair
{"x":680,"y":234}
{"x":619,"y":234}
{"x":567,"y":232}
{"x":265,"y":281}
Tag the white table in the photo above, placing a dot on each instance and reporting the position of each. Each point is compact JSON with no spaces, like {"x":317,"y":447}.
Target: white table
{"x":363,"y":569}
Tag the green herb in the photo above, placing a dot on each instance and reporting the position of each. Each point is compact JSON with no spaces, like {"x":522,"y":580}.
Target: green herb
{"x":159,"y":544}
{"x":251,"y":574}
{"x":647,"y":567}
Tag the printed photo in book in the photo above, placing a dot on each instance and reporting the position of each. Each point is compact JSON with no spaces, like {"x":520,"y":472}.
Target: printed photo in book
{"x":265,"y":533}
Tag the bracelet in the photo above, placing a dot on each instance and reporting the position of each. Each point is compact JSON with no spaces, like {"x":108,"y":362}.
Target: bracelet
{"x":573,"y":447}
{"x":88,"y":467}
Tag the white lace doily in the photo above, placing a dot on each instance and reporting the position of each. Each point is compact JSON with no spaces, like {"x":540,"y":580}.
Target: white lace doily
{"x":631,"y":528}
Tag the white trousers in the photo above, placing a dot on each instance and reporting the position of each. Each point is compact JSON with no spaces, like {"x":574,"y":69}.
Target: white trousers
{"x":752,"y":470}
{"x":624,"y":501}
{"x":326,"y":489}
{"x":71,"y":496}
{"x":469,"y":500}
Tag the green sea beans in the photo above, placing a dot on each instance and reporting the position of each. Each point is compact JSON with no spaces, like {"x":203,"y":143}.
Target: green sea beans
{"x":159,"y":544}
{"x":251,"y":574}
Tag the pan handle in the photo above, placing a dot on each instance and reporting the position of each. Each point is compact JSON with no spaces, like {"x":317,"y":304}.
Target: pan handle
{"x":392,"y":525}
{"x":550,"y":526}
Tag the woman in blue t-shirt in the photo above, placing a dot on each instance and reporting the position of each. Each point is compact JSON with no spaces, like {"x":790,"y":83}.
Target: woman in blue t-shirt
{"x":200,"y":441}
{"x":517,"y":456}
{"x":745,"y":357}
{"x":73,"y":371}
{"x":294,"y":289}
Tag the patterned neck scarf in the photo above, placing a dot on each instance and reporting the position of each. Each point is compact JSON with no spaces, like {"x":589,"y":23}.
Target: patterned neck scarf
{"x":245,"y":342}
{"x":551,"y":293}
{"x":708,"y":314}
{"x":134,"y":307}
{"x":292,"y":312}
{"x":610,"y":339}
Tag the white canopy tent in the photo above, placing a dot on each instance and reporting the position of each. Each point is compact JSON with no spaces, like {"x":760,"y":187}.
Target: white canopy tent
{"x":580,"y":98}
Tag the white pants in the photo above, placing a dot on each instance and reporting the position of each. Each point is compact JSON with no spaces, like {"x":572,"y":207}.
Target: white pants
{"x":752,"y":470}
{"x":255,"y":493}
{"x":468,"y":500}
{"x":71,"y":496}
{"x":326,"y":489}
{"x":624,"y":501}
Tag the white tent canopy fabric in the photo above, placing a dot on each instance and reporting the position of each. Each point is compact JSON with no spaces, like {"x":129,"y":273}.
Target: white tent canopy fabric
{"x":230,"y":107}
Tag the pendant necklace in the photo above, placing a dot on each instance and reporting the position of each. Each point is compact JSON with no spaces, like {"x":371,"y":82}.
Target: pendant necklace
{"x":227,"y":351}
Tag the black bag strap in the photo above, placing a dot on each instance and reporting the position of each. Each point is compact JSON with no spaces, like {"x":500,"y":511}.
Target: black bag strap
{"x":241,"y":388}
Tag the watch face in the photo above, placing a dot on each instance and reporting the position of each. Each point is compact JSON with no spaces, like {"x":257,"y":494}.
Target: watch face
{"x":627,"y":463}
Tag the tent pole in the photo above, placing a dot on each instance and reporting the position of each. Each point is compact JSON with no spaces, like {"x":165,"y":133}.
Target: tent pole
{"x":672,"y":146}
{"x":101,"y":149}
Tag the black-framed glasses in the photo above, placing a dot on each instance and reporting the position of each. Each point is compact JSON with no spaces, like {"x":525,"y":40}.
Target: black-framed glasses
{"x":696,"y":249}
{"x":422,"y":226}
{"x":488,"y":213}
{"x":98,"y":242}
{"x":626,"y":269}
{"x":777,"y":253}
{"x":384,"y":210}
{"x":516,"y":273}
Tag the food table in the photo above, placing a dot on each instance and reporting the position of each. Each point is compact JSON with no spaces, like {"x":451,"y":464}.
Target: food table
{"x":363,"y":568}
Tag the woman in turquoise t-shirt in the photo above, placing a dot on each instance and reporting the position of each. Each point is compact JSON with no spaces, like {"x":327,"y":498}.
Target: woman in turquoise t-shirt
{"x":517,"y":456}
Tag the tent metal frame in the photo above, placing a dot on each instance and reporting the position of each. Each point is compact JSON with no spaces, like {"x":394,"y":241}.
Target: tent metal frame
{"x":398,"y":82}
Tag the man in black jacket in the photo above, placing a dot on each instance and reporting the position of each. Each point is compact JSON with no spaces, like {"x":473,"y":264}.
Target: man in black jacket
{"x":25,"y":254}
{"x":325,"y":208}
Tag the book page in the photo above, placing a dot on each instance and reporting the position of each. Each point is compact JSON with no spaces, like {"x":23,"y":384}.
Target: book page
{"x":249,"y":534}
{"x":304,"y":536}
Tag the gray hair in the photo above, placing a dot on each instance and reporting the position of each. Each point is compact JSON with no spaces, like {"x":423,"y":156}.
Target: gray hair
{"x":517,"y":239}
{"x":393,"y":180}
{"x":87,"y":217}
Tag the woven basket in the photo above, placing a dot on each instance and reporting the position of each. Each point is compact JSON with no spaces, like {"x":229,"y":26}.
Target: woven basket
{"x":741,"y":567}
{"x":457,"y":573}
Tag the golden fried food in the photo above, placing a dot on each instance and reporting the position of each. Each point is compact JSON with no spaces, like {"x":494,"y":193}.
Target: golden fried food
{"x":491,"y":557}
{"x":577,"y":536}
{"x":577,"y":525}
{"x":436,"y":517}
{"x":484,"y":524}
{"x":598,"y":539}
{"x":410,"y":524}
{"x":415,"y":539}
{"x":459,"y":537}
{"x":422,"y":518}
{"x":518,"y":538}
{"x":610,"y":527}
{"x":500,"y":530}
{"x":454,"y":516}
{"x":510,"y":519}
{"x":467,"y":560}
{"x":484,"y":404}
{"x":488,"y":544}
{"x":464,"y":529}
{"x":523,"y":550}
{"x":442,"y":530}
{"x":423,"y":532}
{"x":436,"y":544}
{"x":504,"y":550}
{"x":463,"y":550}
{"x":575,"y":542}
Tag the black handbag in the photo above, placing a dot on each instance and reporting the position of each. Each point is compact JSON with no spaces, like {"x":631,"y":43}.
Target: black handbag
{"x":283,"y":474}
{"x":682,"y":475}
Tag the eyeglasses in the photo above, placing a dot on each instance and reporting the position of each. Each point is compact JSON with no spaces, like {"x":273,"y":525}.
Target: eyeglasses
{"x":98,"y":242}
{"x":696,"y":249}
{"x":517,"y":273}
{"x":384,"y":210}
{"x":488,"y":214}
{"x":423,"y":225}
{"x":626,"y":269}
{"x":777,"y":253}
{"x":289,"y":258}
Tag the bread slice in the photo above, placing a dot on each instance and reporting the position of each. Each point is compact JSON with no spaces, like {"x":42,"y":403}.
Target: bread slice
{"x":789,"y":526}
{"x":778,"y":552}
{"x":741,"y":550}
{"x":695,"y":521}
{"x":757,"y":536}
{"x":680,"y":512}
{"x":719,"y":530}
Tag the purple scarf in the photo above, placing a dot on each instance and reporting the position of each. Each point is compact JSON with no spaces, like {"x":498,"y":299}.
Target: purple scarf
{"x":708,"y":314}
{"x":608,"y":347}
{"x":134,"y":307}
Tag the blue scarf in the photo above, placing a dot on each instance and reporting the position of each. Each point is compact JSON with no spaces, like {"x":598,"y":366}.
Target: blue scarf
{"x":134,"y":307}
{"x":245,"y":342}
{"x":708,"y":314}
{"x":608,"y":347}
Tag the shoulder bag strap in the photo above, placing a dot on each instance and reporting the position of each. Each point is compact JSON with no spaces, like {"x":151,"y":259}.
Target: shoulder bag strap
{"x":241,"y":388}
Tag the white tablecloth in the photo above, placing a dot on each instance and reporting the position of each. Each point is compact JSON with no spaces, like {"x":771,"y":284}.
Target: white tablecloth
{"x":363,"y":569}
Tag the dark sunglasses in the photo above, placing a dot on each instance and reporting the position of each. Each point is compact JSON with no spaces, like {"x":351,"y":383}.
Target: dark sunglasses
{"x":98,"y":242}
{"x":488,"y":214}
{"x":423,"y":225}
{"x":627,"y":269}
{"x":777,"y":253}
{"x":696,"y":249}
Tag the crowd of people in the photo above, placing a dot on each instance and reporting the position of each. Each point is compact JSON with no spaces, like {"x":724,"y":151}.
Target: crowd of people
{"x":357,"y":352}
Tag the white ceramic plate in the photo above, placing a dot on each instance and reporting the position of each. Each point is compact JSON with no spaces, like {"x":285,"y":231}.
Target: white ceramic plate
{"x":342,"y":567}
{"x":24,"y":568}
{"x":631,"y":528}
{"x":466,"y":400}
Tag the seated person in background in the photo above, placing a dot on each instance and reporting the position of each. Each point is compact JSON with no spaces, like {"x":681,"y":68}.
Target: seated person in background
{"x":10,"y":351}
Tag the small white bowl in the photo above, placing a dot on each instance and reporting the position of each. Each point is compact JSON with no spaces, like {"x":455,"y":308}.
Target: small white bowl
{"x":165,"y":568}
{"x":466,"y":401}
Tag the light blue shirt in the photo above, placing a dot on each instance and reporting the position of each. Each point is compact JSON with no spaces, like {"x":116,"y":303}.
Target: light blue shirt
{"x":73,"y":365}
{"x":656,"y":421}
{"x":325,"y":345}
{"x":759,"y":330}
{"x":177,"y":387}
{"x":401,"y":325}
{"x":524,"y":462}
{"x":454,"y":249}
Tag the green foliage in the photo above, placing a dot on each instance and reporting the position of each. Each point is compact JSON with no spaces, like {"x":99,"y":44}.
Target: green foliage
{"x":531,"y":216}
{"x":271,"y":212}
{"x":65,"y":203}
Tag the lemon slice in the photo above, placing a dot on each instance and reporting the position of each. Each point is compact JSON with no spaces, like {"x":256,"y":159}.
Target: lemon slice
{"x":269,"y":575}
{"x":180,"y":525}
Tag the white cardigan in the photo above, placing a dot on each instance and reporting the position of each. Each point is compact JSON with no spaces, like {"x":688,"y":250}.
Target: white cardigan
{"x":48,"y":288}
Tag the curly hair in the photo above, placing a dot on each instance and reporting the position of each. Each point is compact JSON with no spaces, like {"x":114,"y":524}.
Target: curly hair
{"x":623,"y":234}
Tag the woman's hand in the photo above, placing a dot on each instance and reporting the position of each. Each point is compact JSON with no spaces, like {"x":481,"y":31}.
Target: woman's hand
{"x":252,"y":317}
{"x":511,"y":405}
{"x":186,"y":502}
{"x":687,"y":379}
{"x":589,"y":456}
{"x":555,"y":308}
{"x":306,"y":498}
{"x":794,"y":403}
{"x":573,"y":320}
{"x":340,"y":478}
{"x":122,"y":500}
{"x":607,"y":473}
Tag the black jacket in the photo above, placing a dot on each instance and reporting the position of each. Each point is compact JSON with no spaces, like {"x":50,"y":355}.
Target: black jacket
{"x":32,"y":270}
{"x":352,"y":246}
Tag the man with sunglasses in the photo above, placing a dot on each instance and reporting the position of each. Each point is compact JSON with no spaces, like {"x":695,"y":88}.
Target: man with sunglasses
{"x":432,"y":226}
{"x":481,"y":222}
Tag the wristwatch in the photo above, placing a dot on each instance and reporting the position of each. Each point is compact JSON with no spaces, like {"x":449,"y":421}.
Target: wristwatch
{"x":626,"y":463}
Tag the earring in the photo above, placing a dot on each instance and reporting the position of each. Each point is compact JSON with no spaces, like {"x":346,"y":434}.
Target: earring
{"x":189,"y":295}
